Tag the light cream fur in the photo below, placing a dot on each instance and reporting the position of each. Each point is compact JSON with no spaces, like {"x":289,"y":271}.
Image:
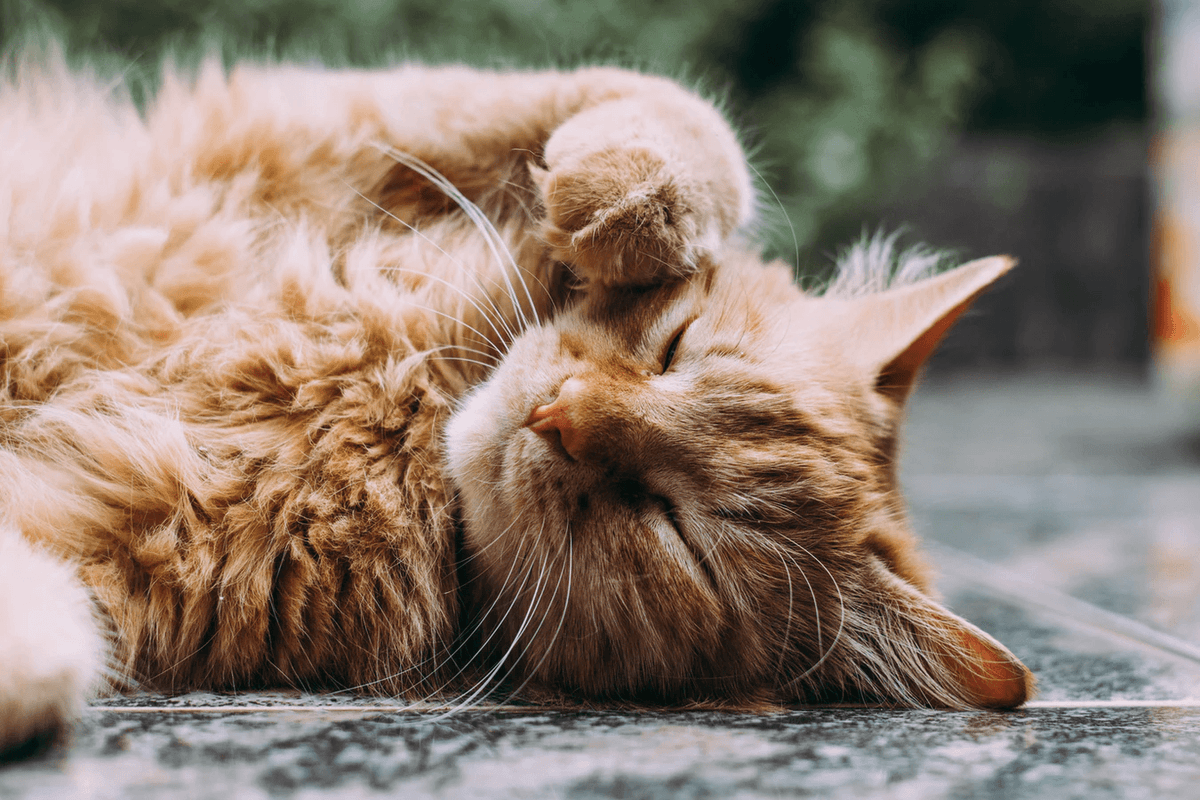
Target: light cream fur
{"x":51,"y":650}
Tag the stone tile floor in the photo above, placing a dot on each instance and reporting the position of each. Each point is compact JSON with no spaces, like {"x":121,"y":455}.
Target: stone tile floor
{"x":1064,"y":514}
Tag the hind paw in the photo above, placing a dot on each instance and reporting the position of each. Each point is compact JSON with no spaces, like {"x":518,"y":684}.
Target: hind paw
{"x":51,"y":650}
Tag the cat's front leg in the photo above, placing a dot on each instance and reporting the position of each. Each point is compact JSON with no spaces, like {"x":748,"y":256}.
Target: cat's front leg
{"x":642,"y":187}
{"x":51,"y":649}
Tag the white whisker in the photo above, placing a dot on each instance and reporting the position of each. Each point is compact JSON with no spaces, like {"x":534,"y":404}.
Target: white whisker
{"x":462,"y":267}
{"x":508,"y":335}
{"x":473,"y":694}
{"x":462,"y":638}
{"x":491,"y":236}
{"x":788,"y":628}
{"x":783,"y":210}
{"x":841,"y":623}
{"x":565,"y":608}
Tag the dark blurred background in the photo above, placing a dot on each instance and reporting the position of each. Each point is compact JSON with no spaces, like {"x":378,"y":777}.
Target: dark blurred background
{"x":1014,"y":126}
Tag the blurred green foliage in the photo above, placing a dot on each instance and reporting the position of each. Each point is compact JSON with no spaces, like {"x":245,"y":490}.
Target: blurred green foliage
{"x":842,"y":101}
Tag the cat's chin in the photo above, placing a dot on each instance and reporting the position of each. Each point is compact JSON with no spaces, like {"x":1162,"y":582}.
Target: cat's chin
{"x":495,"y":411}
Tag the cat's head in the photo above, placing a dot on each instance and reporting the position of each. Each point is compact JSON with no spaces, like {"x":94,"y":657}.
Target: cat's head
{"x":688,"y":491}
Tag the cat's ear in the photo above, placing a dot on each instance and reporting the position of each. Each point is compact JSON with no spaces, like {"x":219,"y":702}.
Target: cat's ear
{"x":896,"y":331}
{"x":915,"y":650}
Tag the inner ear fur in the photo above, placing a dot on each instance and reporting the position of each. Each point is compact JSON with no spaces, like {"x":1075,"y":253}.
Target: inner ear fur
{"x":896,"y":331}
{"x":906,"y":647}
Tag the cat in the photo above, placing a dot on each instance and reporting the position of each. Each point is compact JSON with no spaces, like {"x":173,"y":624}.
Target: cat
{"x":427,"y":380}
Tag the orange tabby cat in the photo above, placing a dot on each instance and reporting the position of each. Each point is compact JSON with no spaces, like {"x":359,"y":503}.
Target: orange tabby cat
{"x":284,"y":406}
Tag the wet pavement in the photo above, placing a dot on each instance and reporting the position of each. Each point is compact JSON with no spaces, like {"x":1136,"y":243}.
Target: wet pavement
{"x":1064,"y":515}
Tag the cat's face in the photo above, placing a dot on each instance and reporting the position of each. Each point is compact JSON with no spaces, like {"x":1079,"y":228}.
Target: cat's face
{"x":687,"y":491}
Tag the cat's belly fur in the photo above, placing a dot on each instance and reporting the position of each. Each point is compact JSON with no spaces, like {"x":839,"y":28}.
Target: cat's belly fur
{"x":262,"y":505}
{"x":223,"y":378}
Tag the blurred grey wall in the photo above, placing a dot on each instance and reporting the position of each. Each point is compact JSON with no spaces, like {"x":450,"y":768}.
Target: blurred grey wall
{"x":1075,"y":212}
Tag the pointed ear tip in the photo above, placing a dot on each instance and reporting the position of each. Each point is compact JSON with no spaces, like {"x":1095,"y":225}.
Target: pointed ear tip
{"x":1031,"y":685}
{"x":995,"y":265}
{"x":1006,"y":262}
{"x":1012,"y":690}
{"x":992,"y":674}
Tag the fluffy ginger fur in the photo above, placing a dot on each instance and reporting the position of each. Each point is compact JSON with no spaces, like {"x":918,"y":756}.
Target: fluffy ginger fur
{"x":235,"y":329}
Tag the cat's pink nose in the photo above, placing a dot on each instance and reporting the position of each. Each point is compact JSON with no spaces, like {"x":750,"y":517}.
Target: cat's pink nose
{"x":553,"y":421}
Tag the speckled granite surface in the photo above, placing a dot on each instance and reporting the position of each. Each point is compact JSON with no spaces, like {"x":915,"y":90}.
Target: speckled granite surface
{"x":1039,"y":753}
{"x":1065,"y":516}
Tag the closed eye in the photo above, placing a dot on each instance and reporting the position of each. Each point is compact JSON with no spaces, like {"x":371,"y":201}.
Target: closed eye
{"x":671,"y":515}
{"x":669,"y":512}
{"x":669,"y":356}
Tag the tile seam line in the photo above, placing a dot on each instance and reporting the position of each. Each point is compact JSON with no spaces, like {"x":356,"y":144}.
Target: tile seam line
{"x":1034,"y":705}
{"x":290,"y":708}
{"x":1039,"y":704}
{"x":1000,"y":583}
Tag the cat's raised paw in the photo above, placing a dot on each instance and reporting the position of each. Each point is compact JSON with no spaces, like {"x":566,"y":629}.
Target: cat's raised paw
{"x":621,"y":217}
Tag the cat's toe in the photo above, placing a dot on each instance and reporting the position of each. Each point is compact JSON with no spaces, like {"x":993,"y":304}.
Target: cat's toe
{"x":622,"y":218}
